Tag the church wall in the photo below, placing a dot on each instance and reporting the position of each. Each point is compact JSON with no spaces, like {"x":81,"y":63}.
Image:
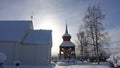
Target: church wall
{"x":42,"y":54}
{"x":26,"y":54}
{"x":35,"y":54}
{"x":49,"y":51}
{"x":8,"y":48}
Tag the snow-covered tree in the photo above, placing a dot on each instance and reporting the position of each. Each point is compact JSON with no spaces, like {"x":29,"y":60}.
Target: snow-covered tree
{"x":91,"y":36}
{"x":83,"y":43}
{"x":95,"y":30}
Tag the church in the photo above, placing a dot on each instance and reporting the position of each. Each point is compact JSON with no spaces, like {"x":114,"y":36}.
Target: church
{"x":20,"y":42}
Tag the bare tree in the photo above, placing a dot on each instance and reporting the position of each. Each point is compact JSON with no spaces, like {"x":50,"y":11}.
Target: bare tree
{"x":83,"y":42}
{"x":94,"y":29}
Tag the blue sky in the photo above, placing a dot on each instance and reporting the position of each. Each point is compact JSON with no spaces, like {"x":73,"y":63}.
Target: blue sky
{"x":54,"y":14}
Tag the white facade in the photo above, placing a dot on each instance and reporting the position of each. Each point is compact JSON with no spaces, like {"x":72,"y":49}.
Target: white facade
{"x":32,"y":47}
{"x":37,"y":54}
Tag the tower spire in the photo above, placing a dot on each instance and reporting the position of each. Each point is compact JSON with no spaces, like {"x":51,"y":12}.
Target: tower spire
{"x":66,"y":29}
{"x":66,"y":33}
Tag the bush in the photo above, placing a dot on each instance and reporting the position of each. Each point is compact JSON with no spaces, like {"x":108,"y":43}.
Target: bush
{"x":94,"y":59}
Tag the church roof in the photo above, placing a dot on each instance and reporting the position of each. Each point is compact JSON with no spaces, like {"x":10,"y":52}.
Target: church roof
{"x":38,"y":37}
{"x":13,"y":30}
{"x":67,"y":43}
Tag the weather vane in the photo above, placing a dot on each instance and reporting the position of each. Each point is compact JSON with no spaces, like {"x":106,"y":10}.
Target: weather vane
{"x":32,"y":16}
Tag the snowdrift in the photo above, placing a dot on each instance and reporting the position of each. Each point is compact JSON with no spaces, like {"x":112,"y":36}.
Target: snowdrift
{"x":115,"y":59}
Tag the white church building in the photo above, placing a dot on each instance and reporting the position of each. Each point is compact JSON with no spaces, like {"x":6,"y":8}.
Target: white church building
{"x":20,"y":42}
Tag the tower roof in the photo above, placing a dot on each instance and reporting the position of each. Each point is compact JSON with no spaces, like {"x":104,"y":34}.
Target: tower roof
{"x":67,"y":43}
{"x":66,"y":39}
{"x":66,"y":32}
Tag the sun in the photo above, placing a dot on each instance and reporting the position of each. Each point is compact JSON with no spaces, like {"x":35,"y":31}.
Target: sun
{"x":49,"y":22}
{"x":46,"y":22}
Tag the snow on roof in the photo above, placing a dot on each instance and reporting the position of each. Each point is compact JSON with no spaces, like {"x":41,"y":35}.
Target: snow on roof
{"x":67,"y":43}
{"x":39,"y":37}
{"x":13,"y":30}
{"x":66,"y":34}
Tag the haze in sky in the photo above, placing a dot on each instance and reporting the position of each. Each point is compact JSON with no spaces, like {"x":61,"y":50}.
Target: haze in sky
{"x":54,"y":14}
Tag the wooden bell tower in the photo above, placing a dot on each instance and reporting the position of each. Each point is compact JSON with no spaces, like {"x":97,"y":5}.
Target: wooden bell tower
{"x":66,"y":48}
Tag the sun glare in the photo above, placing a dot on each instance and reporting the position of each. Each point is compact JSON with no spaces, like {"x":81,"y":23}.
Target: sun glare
{"x":50,"y":23}
{"x":47,"y":24}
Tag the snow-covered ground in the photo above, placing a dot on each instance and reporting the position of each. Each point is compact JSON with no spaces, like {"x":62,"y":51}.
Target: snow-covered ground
{"x":64,"y":65}
{"x":82,"y":65}
{"x":27,"y":66}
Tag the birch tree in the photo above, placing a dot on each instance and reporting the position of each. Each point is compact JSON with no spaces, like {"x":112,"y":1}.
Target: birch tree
{"x":83,"y":43}
{"x":94,"y":28}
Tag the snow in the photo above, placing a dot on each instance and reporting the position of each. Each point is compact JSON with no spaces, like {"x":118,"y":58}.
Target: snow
{"x":118,"y":62}
{"x":13,"y":30}
{"x":3,"y":57}
{"x":38,"y":37}
{"x":66,"y":34}
{"x":84,"y":66}
{"x":67,"y":43}
{"x":81,"y":65}
{"x":57,"y":65}
{"x":27,"y":66}
{"x":115,"y":59}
